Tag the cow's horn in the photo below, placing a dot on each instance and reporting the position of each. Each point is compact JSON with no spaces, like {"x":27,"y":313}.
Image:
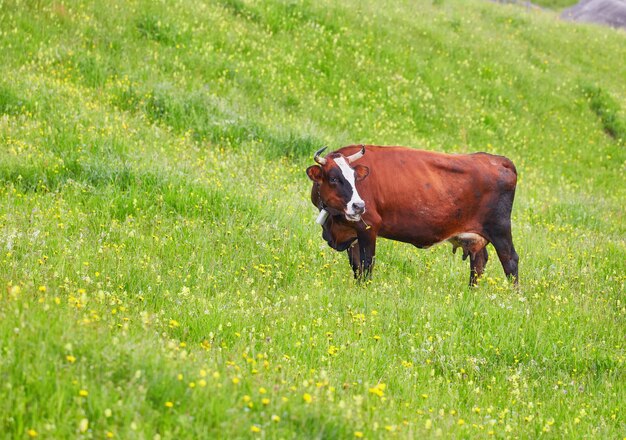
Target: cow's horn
{"x":357,"y":155}
{"x":317,"y":157}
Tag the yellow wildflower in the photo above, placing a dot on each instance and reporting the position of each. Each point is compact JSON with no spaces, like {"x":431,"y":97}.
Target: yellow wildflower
{"x":379,"y":389}
{"x":83,"y":426}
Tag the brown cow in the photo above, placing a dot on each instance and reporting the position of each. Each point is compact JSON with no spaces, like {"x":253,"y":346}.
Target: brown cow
{"x":418,"y":197}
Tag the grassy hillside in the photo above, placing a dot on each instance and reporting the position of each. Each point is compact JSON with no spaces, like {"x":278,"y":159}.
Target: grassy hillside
{"x":554,"y":4}
{"x":161,"y":272}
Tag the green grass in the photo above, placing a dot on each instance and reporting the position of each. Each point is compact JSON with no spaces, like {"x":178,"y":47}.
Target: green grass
{"x":608,"y":111}
{"x":555,"y":4}
{"x":160,"y":269}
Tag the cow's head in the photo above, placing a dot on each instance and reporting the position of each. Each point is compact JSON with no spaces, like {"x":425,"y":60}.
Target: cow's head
{"x":336,"y":181}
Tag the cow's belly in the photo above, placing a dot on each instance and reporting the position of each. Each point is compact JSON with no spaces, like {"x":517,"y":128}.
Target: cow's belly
{"x":470,"y":242}
{"x":420,"y":240}
{"x":425,"y":229}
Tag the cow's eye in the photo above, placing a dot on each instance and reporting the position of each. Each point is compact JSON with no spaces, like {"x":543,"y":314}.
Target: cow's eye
{"x":333,"y":180}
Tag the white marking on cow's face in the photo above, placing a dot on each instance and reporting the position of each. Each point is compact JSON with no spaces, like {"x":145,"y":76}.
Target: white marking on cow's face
{"x":348,"y":173}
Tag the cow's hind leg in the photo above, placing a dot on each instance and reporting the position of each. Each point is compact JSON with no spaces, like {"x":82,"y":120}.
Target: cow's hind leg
{"x":509,"y":259}
{"x":499,"y":232}
{"x":478,"y":261}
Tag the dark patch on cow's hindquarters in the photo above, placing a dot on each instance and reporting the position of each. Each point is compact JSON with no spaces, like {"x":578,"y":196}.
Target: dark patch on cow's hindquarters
{"x":507,"y":178}
{"x":502,"y":183}
{"x":499,"y":231}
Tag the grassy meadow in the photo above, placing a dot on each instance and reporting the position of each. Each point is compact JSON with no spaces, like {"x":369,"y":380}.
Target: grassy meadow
{"x":161,"y":274}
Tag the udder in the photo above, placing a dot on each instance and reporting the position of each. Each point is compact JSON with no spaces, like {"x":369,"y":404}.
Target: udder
{"x":470,"y":242}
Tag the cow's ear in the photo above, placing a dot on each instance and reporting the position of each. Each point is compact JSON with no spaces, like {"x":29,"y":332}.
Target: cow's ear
{"x":361,"y":172}
{"x":315,"y":173}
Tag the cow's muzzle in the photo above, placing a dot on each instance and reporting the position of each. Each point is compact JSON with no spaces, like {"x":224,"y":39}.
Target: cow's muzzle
{"x":358,"y":207}
{"x":355,"y":211}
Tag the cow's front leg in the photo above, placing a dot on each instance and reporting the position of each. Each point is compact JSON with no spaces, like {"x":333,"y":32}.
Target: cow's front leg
{"x":367,"y":245}
{"x":354,"y":257}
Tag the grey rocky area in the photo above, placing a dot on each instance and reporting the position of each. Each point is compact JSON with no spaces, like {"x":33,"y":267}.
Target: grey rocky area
{"x":608,"y":12}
